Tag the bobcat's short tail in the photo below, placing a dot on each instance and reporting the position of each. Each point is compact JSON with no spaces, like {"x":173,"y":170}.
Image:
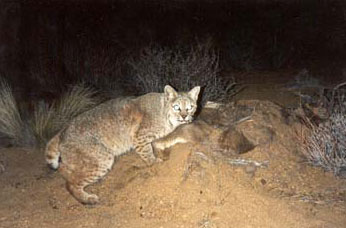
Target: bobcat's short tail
{"x":52,"y":152}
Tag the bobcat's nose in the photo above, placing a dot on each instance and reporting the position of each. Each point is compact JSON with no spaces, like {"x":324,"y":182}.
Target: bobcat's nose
{"x":183,"y":116}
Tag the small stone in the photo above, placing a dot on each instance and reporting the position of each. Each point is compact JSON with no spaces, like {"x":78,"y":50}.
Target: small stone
{"x":251,"y":170}
{"x":213,"y":214}
{"x":263,"y":182}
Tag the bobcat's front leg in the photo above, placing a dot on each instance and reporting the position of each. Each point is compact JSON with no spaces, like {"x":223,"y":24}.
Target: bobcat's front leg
{"x":144,"y":149}
{"x":161,"y":144}
{"x":147,"y":154}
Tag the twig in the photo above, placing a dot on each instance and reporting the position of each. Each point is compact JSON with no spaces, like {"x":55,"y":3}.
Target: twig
{"x":202,"y":155}
{"x":240,"y":161}
{"x":2,"y":168}
{"x":243,"y":119}
{"x":339,"y":85}
{"x":334,"y":91}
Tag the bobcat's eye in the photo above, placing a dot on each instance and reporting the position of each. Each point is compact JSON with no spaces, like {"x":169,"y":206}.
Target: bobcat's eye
{"x":176,"y":107}
{"x":189,"y":108}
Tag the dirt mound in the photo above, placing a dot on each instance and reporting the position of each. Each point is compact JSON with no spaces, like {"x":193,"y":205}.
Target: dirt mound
{"x":204,"y":183}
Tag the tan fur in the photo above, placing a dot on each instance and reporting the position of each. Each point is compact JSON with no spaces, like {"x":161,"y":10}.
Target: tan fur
{"x":228,"y":141}
{"x":198,"y":132}
{"x":84,"y":152}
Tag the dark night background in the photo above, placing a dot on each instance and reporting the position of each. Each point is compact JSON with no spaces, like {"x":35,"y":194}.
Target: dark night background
{"x":52,"y":37}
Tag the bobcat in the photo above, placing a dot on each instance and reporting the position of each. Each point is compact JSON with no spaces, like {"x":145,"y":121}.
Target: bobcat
{"x":85,"y":150}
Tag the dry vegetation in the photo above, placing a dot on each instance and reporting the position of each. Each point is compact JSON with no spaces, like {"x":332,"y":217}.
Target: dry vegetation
{"x":325,"y":144}
{"x":11,"y":123}
{"x":49,"y":119}
{"x":156,"y":67}
{"x":46,"y":120}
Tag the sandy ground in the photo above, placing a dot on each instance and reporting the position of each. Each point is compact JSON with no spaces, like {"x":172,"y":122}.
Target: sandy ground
{"x":196,"y":187}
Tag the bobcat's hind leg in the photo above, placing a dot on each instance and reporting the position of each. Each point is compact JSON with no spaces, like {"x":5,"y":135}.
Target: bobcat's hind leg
{"x":86,"y":171}
{"x":77,"y":181}
{"x":77,"y":191}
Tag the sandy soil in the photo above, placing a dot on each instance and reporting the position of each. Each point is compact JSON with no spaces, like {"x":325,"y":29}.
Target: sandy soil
{"x":196,"y":187}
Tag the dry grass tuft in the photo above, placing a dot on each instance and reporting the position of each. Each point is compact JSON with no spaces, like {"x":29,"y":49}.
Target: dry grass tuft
{"x":10,"y":120}
{"x":11,"y":123}
{"x":49,"y":119}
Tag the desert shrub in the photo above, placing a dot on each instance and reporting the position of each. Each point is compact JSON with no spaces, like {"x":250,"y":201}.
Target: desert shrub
{"x":182,"y":68}
{"x":49,"y":119}
{"x":12,"y":124}
{"x":325,"y":145}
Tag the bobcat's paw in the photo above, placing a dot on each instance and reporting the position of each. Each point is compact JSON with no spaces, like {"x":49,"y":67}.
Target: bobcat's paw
{"x":92,"y":199}
{"x":152,"y":161}
{"x":158,"y":145}
{"x":158,"y":160}
{"x":158,"y":151}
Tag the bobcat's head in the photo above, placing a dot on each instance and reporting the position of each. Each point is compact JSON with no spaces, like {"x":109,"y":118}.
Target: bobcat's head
{"x":181,"y":106}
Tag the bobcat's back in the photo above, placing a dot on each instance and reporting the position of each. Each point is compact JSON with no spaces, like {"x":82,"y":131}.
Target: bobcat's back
{"x":97,"y":126}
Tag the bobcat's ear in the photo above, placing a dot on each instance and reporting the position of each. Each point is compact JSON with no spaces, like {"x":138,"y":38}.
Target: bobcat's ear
{"x":194,"y":93}
{"x":170,"y":93}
